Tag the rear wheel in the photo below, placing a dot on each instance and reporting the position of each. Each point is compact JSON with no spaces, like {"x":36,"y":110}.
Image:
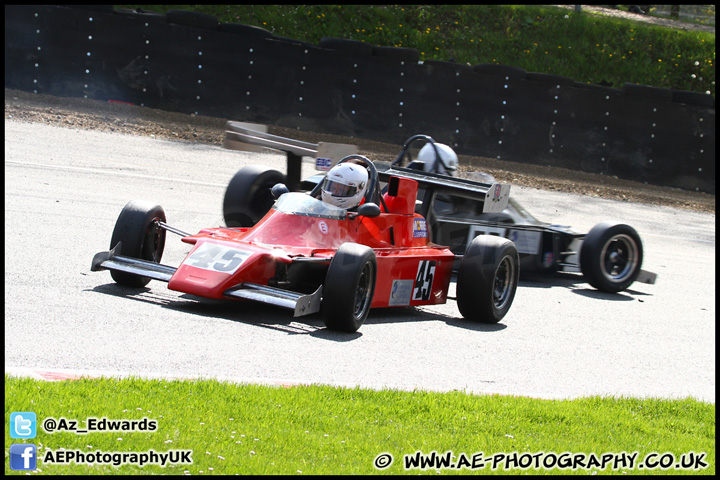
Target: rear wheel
{"x":487,"y":279}
{"x":611,"y":256}
{"x":349,"y":287}
{"x":141,"y":236}
{"x":248,"y":196}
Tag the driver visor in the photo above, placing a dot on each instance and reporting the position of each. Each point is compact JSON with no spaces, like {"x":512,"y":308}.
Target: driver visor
{"x":338,"y":189}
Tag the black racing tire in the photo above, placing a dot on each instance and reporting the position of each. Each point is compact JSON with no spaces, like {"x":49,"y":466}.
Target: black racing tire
{"x":141,"y":236}
{"x":488,"y":279}
{"x":248,"y":196}
{"x":611,"y":256}
{"x":349,"y":287}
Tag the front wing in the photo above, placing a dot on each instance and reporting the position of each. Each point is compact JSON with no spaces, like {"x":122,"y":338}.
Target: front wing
{"x":299,"y":303}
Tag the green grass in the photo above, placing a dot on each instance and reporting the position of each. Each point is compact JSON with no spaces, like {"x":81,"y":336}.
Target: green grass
{"x":585,"y":47}
{"x":253,"y":429}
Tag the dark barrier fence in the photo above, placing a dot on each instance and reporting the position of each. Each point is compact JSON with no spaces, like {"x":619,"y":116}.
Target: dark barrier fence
{"x":188,"y":62}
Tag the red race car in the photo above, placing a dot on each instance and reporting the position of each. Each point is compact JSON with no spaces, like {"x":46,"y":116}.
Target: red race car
{"x":311,"y":256}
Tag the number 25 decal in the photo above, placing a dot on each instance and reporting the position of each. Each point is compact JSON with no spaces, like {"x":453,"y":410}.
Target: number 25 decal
{"x":424,"y":280}
{"x":210,"y":256}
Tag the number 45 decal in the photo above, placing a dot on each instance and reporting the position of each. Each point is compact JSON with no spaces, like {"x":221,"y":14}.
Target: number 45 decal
{"x":424,"y":280}
{"x":218,"y":258}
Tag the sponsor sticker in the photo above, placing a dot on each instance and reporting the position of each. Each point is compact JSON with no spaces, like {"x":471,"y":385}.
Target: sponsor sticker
{"x":420,"y":228}
{"x":323,"y":227}
{"x":323,"y":163}
{"x":400,"y":292}
{"x":548,"y":259}
{"x":526,"y":241}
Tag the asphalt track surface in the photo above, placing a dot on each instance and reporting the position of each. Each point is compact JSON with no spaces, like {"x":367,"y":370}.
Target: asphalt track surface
{"x":64,"y":189}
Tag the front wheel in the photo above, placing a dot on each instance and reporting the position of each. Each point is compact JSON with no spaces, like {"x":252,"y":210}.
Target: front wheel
{"x":349,"y":287}
{"x":487,"y":279}
{"x":142,"y":237}
{"x":611,"y":256}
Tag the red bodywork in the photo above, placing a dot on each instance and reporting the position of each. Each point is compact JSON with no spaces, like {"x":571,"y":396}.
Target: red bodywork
{"x":410,"y":269}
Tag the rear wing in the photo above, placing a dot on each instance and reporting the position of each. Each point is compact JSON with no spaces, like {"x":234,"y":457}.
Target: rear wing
{"x":254,"y":137}
{"x":493,"y":196}
{"x":246,"y":136}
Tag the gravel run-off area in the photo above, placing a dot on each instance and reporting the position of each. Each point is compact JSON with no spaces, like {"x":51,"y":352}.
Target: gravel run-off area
{"x":80,"y":113}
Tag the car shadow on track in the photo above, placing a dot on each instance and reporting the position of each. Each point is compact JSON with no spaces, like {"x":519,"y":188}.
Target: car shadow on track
{"x":577,"y":284}
{"x":233,"y":310}
{"x":380,"y":316}
{"x":550,"y":280}
{"x":275,"y":318}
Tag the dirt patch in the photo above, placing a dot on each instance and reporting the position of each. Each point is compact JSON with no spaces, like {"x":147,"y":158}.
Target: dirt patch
{"x":135,"y":120}
{"x":636,"y":17}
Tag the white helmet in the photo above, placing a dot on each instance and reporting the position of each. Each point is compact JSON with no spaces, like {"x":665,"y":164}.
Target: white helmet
{"x":447,"y":163}
{"x":344,"y":185}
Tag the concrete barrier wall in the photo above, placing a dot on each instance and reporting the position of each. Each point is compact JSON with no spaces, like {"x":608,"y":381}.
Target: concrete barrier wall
{"x":188,"y":62}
